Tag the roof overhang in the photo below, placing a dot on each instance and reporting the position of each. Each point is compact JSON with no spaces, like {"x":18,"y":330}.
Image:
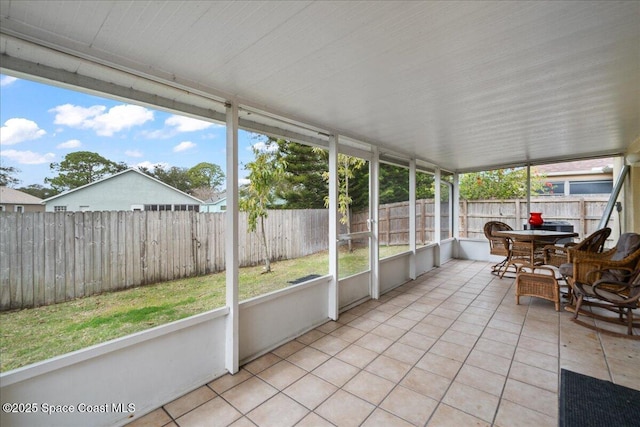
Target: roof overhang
{"x":461,"y":85}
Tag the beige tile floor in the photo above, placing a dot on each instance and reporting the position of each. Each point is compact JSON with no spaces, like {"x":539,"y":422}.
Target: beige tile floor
{"x":449,"y":349}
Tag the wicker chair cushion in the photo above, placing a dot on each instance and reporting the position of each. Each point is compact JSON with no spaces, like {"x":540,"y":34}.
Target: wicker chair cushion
{"x":627,"y":296}
{"x":566,"y":269}
{"x":611,"y":296}
{"x":628,"y":243}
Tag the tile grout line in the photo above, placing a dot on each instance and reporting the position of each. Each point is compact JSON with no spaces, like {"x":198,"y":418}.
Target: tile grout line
{"x":484,"y":328}
{"x":450,"y":293}
{"x":513,"y":359}
{"x":360,"y":369}
{"x":504,"y":386}
{"x":439,"y":402}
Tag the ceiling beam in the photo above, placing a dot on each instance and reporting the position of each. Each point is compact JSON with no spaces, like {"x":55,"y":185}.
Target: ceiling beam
{"x":78,"y":82}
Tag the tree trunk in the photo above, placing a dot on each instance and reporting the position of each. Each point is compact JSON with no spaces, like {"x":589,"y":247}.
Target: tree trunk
{"x":267,"y":257}
{"x":348,"y":213}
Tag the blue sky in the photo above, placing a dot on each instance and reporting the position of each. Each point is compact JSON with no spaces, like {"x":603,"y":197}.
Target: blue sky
{"x":41,"y":124}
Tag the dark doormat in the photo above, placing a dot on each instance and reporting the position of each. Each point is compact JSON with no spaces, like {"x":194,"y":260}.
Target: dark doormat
{"x":303,"y":279}
{"x":589,"y":402}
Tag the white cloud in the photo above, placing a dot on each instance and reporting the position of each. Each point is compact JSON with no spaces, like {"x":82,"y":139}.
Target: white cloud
{"x":210,"y":135}
{"x":97,"y":118}
{"x":28,"y":157}
{"x":264,"y":147}
{"x":159,"y":134}
{"x":244,"y":181}
{"x":177,"y":124}
{"x":121,"y":117}
{"x":183,"y":146}
{"x":72,"y":143}
{"x":18,"y":130}
{"x":75,"y":116}
{"x":187,"y":124}
{"x":133,"y":153}
{"x":7,"y":80}
{"x":152,"y":166}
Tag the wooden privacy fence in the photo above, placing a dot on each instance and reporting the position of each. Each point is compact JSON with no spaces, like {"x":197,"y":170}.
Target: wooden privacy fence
{"x":50,"y":257}
{"x":583,"y":213}
{"x":393,"y":222}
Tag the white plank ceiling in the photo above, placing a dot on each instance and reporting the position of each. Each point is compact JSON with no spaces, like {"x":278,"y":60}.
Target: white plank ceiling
{"x":464,"y":85}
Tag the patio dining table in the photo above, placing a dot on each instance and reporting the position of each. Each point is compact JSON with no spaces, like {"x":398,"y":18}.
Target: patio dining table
{"x":527,"y":244}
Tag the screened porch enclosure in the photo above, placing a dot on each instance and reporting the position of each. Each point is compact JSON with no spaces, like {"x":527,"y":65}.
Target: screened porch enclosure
{"x":434,"y":87}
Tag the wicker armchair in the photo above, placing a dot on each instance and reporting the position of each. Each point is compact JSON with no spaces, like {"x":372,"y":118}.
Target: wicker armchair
{"x":617,"y":291}
{"x":498,"y":245}
{"x":625,"y":254}
{"x":557,"y":255}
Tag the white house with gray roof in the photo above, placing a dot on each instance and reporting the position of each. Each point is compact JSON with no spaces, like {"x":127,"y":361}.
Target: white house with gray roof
{"x":125,"y":191}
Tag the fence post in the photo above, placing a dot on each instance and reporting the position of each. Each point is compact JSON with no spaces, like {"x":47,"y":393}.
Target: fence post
{"x":464,"y":218}
{"x":388,"y":213}
{"x":583,"y":217}
{"x":423,"y":221}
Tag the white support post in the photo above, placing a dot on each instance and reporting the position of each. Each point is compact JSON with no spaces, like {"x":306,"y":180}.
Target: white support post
{"x":412,"y":219}
{"x":528,"y":193}
{"x":455,"y":212}
{"x":374,"y":217}
{"x":231,"y":243}
{"x":437,"y":213}
{"x":334,"y":303}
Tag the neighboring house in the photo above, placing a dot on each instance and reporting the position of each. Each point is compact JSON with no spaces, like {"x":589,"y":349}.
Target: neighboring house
{"x":581,"y":177}
{"x":125,"y":191}
{"x":217,"y":203}
{"x":16,"y":201}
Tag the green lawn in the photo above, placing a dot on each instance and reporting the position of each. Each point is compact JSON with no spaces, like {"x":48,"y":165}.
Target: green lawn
{"x":31,"y":335}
